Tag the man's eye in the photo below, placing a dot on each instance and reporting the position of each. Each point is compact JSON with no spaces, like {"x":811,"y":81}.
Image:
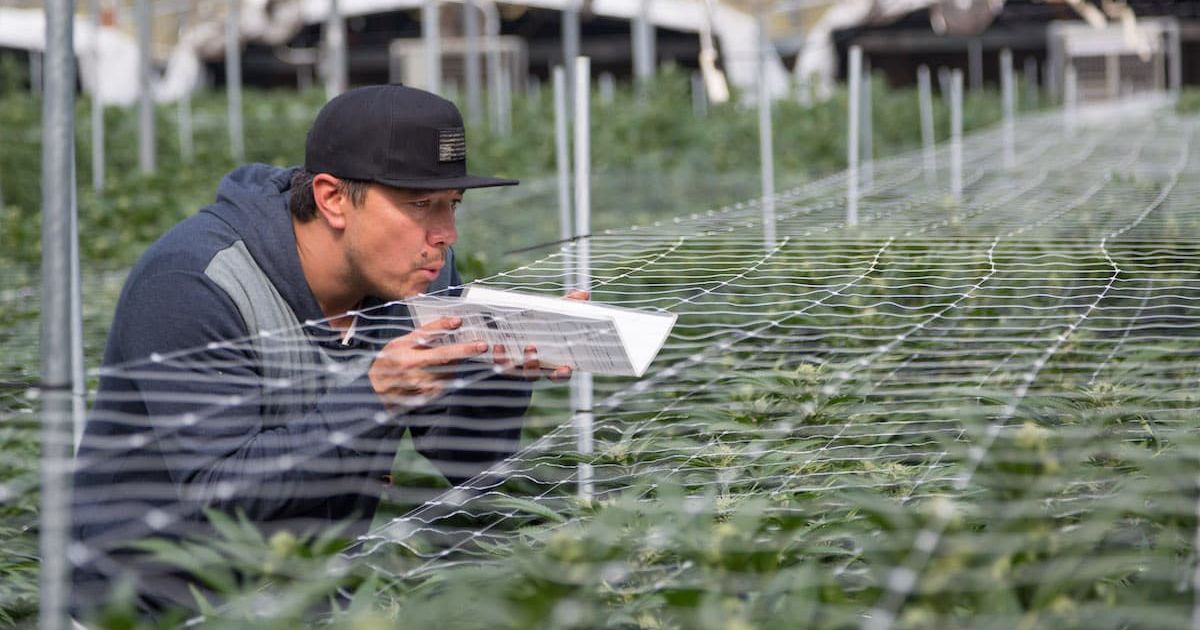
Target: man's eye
{"x":424,"y":203}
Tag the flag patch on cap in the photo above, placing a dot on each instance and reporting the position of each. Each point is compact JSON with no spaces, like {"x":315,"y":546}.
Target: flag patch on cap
{"x":452,"y":144}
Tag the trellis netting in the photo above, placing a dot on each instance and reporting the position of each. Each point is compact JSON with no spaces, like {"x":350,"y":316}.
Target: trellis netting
{"x":974,"y":413}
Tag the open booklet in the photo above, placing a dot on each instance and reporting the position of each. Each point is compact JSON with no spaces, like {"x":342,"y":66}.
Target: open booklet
{"x":589,"y":337}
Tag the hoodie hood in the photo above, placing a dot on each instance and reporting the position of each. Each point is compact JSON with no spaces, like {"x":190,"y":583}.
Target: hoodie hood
{"x":253,"y":200}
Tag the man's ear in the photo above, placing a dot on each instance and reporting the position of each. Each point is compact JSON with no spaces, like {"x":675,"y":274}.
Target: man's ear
{"x":331,"y":203}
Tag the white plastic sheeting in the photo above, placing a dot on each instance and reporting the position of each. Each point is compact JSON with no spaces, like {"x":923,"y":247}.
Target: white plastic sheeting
{"x":735,"y":29}
{"x":279,"y":21}
{"x":817,"y":64}
{"x":117,"y":54}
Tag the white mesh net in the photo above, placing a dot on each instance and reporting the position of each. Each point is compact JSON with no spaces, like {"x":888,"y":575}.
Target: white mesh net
{"x":973,"y":413}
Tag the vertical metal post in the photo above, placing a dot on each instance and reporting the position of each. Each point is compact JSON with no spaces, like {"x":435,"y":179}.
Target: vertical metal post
{"x":956,"y":145}
{"x":146,"y":150}
{"x":1112,"y":75}
{"x":470,"y":18}
{"x":866,"y":109}
{"x":562,"y":159}
{"x":491,"y":28}
{"x":1175,"y":45}
{"x":852,"y":142}
{"x":431,"y":40}
{"x":925,"y":96}
{"x":766,"y":151}
{"x":975,"y":64}
{"x":57,"y":373}
{"x":233,"y":80}
{"x":183,"y":113}
{"x":699,"y":96}
{"x":1160,"y":67}
{"x":1070,"y":98}
{"x":606,"y":84}
{"x":335,"y":51}
{"x":78,"y":380}
{"x":643,"y":44}
{"x":304,"y":77}
{"x":505,"y":98}
{"x":1054,"y":65}
{"x":1031,"y":83}
{"x":582,"y":383}
{"x":570,"y":38}
{"x":1009,"y":104}
{"x":97,"y":102}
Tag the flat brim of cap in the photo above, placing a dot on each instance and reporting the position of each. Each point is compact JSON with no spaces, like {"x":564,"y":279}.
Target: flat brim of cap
{"x":448,"y":183}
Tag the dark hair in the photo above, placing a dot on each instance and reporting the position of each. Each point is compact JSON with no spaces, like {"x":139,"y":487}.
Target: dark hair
{"x":304,"y":206}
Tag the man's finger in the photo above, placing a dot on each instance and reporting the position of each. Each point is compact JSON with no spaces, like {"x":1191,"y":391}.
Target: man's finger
{"x":500,"y":355}
{"x":579,"y":294}
{"x":428,"y":334}
{"x":561,"y":374}
{"x":531,"y":360}
{"x":452,"y":353}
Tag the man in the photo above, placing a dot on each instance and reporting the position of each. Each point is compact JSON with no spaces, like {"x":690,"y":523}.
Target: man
{"x":257,"y":361}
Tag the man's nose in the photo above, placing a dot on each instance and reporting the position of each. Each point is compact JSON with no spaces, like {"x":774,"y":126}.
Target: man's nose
{"x":444,"y":233}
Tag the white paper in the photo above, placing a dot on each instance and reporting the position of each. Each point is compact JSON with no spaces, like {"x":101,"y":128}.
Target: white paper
{"x":589,"y":337}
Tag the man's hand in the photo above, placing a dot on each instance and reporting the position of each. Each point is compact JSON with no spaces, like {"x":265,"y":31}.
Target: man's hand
{"x":413,"y":369}
{"x":531,"y":369}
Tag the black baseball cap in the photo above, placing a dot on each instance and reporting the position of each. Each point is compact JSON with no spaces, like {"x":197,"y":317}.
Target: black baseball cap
{"x":394,"y":135}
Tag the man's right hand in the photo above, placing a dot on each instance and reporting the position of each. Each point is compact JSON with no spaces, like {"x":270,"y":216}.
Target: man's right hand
{"x":413,"y":369}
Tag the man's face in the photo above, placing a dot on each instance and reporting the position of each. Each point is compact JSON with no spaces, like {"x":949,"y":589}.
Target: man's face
{"x":396,"y":241}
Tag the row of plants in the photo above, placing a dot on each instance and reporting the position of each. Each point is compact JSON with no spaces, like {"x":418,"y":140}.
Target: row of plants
{"x":781,"y":483}
{"x":652,"y":158}
{"x":1078,"y":516}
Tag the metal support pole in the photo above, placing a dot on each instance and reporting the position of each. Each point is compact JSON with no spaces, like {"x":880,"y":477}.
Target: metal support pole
{"x":852,"y":142}
{"x":925,"y":96}
{"x":643,"y":33}
{"x":956,"y":125}
{"x":97,"y":102}
{"x":975,"y":64}
{"x":582,"y":383}
{"x":146,"y":150}
{"x":699,"y":96}
{"x":1054,"y":63}
{"x":562,"y":159}
{"x":766,"y":152}
{"x":1009,"y":104}
{"x":505,"y":98}
{"x":1175,"y":45}
{"x":1070,"y":98}
{"x":866,"y":109}
{"x":233,"y":80}
{"x":570,"y":38}
{"x":78,"y":380}
{"x":606,"y":85}
{"x":491,"y":29}
{"x":183,"y":115}
{"x":1112,"y":76}
{"x":57,"y":373}
{"x":470,"y":18}
{"x":1031,"y":83}
{"x":335,"y":52}
{"x":431,"y":40}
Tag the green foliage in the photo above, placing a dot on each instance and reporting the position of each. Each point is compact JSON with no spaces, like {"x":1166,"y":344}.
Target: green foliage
{"x":653,"y":160}
{"x":1189,"y":101}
